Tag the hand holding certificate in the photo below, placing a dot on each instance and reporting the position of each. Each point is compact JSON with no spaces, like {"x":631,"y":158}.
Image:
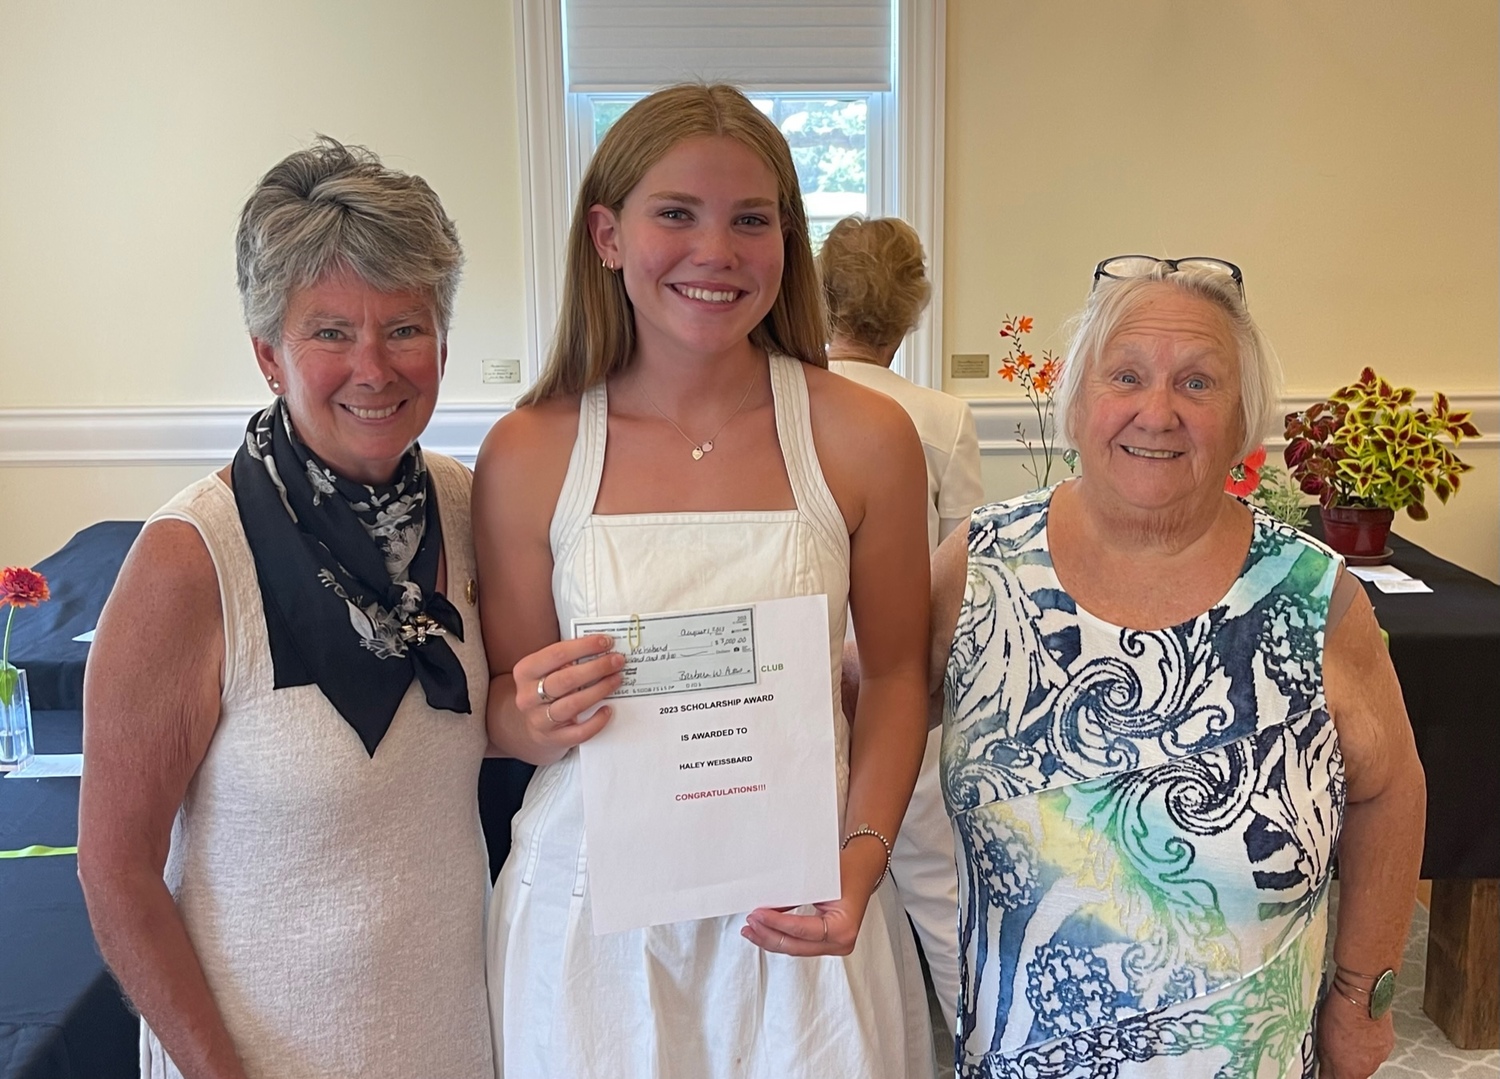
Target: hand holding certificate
{"x":713,"y":789}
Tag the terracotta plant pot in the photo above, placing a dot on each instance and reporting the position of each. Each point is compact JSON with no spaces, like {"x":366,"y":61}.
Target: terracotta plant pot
{"x":1357,"y":532}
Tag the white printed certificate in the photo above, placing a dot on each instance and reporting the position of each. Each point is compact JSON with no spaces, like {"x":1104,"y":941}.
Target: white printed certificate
{"x":713,"y":790}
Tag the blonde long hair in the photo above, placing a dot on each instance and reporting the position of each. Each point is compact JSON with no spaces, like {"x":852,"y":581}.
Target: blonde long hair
{"x":596,"y":327}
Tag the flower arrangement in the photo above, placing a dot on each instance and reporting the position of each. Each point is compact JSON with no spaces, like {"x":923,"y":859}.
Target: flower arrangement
{"x":1038,"y":380}
{"x":19,"y":587}
{"x":1368,"y":446}
{"x":1267,"y":487}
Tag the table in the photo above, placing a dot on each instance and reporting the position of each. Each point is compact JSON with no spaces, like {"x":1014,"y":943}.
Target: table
{"x":1446,"y":650}
{"x":79,"y":577}
{"x":61,"y":1014}
{"x":1445,"y":646}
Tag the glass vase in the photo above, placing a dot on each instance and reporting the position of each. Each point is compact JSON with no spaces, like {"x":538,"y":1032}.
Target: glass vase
{"x":15,"y":719}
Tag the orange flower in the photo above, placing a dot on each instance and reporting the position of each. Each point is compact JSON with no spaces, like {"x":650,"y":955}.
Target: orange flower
{"x":21,"y":587}
{"x":1025,"y":362}
{"x":1046,"y":378}
{"x":1245,"y":476}
{"x":1008,"y":372}
{"x":1023,"y":324}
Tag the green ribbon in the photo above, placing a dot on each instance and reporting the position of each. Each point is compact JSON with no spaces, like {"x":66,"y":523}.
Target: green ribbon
{"x":37,"y":851}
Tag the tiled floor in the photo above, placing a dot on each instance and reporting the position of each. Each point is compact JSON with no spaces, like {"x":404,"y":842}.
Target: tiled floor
{"x":1422,"y":1051}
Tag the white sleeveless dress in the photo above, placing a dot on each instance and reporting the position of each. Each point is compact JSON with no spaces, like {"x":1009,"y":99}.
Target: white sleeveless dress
{"x":689,"y":1000}
{"x":336,"y":900}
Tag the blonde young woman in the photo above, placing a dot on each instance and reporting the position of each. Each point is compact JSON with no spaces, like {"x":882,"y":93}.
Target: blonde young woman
{"x":684,"y":448}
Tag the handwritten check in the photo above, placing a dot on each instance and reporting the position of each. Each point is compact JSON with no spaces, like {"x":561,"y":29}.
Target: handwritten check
{"x":714,"y":788}
{"x":679,"y":653}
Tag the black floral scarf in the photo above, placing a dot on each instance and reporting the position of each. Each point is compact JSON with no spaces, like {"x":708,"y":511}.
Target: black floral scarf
{"x":348,"y":578}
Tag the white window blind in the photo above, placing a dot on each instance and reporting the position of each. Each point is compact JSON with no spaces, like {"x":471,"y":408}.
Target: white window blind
{"x":786,"y":45}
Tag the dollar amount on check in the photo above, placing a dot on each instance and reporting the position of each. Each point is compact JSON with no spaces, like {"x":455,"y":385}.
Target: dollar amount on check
{"x":681,"y":653}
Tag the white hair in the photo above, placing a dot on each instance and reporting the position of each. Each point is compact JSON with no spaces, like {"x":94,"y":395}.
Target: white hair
{"x":1114,"y":299}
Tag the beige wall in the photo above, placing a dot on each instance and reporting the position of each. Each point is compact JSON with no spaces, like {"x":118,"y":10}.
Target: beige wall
{"x":1344,"y":153}
{"x":130,"y":134}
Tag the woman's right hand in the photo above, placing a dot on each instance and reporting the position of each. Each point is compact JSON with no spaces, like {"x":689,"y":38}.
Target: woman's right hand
{"x":555,"y":688}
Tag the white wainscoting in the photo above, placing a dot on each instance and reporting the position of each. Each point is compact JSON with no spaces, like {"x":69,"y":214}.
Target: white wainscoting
{"x":206,"y":436}
{"x":996,"y":420}
{"x":209,"y":435}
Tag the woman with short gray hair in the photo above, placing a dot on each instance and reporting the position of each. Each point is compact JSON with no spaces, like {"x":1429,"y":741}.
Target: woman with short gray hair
{"x":279,"y":840}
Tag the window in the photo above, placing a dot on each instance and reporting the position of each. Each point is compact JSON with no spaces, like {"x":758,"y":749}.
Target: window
{"x":855,"y":85}
{"x":834,"y":140}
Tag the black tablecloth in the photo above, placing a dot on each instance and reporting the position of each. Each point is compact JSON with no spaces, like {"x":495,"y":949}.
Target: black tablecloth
{"x":80,"y":577}
{"x":1446,"y":649}
{"x":61,"y":1014}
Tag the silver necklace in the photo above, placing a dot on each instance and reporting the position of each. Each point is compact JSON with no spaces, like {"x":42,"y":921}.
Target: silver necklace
{"x":707,"y":445}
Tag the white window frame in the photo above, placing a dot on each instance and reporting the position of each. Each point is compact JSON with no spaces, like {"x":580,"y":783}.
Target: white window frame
{"x":552,"y":160}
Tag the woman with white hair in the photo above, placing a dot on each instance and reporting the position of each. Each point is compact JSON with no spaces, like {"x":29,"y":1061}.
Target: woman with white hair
{"x":1164,"y":713}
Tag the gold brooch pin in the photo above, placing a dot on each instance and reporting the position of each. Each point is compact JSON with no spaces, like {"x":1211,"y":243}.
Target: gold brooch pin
{"x":420,"y":628}
{"x":471,"y":591}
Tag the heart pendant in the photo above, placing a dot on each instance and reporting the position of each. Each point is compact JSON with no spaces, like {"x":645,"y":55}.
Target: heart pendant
{"x":697,"y":454}
{"x":707,"y":446}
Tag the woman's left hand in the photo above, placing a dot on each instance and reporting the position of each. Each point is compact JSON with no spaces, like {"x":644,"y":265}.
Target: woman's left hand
{"x":834,"y":929}
{"x":1351,"y":1045}
{"x":831,"y":931}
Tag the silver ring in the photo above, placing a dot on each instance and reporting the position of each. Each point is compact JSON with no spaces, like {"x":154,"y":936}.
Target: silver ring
{"x":541,"y":691}
{"x":824,"y":919}
{"x":781,"y":944}
{"x":547,"y":711}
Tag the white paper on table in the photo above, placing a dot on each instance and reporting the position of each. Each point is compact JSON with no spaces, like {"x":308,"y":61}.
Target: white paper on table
{"x":87,"y":636}
{"x":49,"y":765}
{"x":701,"y":802}
{"x":1379,"y":573}
{"x":1401,"y":584}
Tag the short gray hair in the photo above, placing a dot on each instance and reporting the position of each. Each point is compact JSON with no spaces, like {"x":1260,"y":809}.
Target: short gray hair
{"x":333,"y":207}
{"x":1114,"y":299}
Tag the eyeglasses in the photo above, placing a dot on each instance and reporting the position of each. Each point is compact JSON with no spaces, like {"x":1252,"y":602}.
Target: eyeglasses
{"x":1125,"y":266}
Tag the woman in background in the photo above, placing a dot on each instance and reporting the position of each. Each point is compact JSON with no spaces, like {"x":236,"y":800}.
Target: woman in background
{"x":284,"y":713}
{"x":686,"y":448}
{"x":876,"y":289}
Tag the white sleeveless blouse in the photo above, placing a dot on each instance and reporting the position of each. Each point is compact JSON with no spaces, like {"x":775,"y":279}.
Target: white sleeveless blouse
{"x":335,"y":900}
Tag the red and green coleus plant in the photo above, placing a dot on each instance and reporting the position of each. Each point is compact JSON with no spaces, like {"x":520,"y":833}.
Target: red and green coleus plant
{"x":1369,"y":446}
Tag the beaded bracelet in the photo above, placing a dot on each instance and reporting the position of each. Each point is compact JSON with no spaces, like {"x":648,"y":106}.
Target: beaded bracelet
{"x":865,"y":829}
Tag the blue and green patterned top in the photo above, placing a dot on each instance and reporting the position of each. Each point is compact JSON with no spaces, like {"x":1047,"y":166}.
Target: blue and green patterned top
{"x":1146,"y":819}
